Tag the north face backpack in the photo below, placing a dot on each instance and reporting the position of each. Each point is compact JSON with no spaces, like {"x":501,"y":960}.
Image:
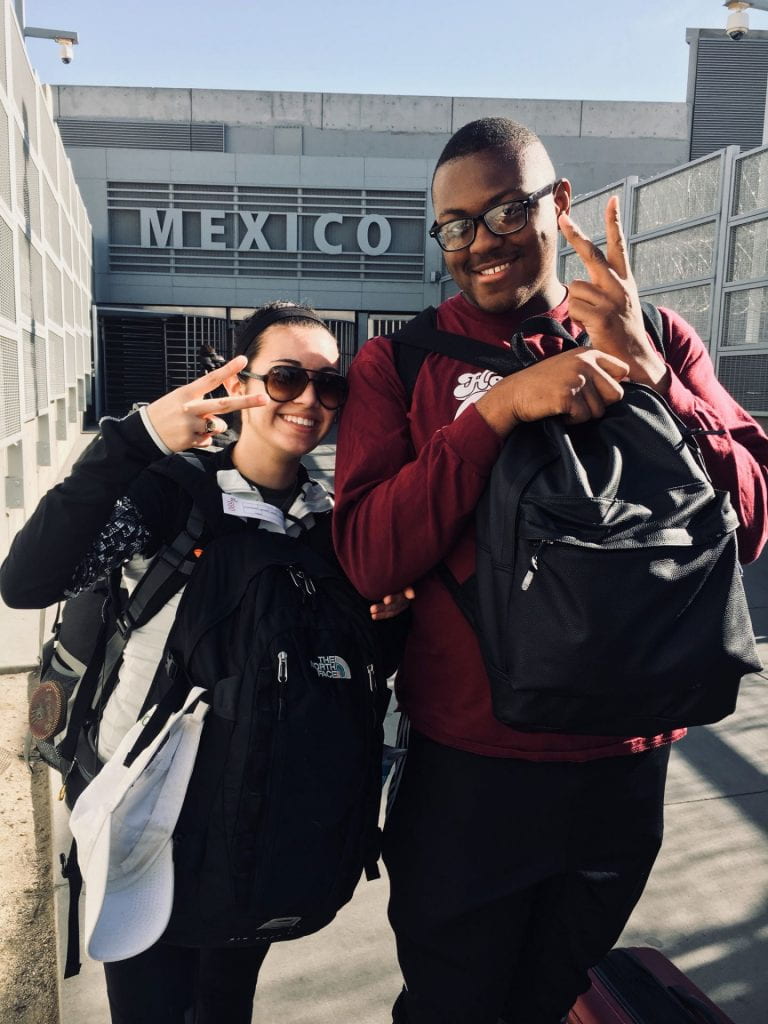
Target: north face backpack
{"x":607,"y":596}
{"x":281,"y":812}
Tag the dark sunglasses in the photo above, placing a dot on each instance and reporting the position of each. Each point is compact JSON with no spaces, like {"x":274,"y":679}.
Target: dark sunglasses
{"x":284,"y":383}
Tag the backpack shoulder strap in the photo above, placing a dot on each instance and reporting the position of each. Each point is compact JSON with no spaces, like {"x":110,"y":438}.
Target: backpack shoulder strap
{"x":409,"y":358}
{"x":654,"y":325}
{"x":422,"y":336}
{"x":166,"y":575}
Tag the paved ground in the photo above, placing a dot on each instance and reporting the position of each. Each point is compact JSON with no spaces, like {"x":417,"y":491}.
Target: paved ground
{"x":706,"y":905}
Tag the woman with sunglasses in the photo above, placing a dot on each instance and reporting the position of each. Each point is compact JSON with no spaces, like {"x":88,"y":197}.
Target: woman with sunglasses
{"x":284,"y":385}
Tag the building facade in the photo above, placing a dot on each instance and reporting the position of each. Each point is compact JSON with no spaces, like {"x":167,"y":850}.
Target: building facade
{"x":45,"y":288}
{"x":207,"y":203}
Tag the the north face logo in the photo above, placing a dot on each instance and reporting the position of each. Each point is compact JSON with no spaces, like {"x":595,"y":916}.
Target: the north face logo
{"x":331,"y":666}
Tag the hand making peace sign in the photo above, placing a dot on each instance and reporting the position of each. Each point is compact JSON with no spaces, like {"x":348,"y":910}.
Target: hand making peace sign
{"x":608,"y":305}
{"x":185,"y":418}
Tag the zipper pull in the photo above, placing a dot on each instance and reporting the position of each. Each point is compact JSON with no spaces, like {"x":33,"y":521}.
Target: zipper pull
{"x":534,"y":566}
{"x":63,"y":790}
{"x":301,"y":581}
{"x":282,"y":679}
{"x":372,"y":688}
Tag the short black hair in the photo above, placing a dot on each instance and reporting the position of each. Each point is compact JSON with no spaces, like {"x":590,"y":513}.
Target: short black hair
{"x":498,"y":133}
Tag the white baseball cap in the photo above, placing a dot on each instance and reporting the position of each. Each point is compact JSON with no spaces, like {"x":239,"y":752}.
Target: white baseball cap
{"x":123,"y":823}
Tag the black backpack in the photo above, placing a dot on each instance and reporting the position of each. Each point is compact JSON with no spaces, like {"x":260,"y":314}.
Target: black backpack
{"x":281,"y":813}
{"x":607,"y":596}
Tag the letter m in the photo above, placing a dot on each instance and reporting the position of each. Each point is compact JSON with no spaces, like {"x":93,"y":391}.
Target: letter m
{"x":166,"y":234}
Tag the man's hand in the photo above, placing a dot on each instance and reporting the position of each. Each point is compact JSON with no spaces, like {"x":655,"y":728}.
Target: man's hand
{"x":608,"y":305}
{"x":184,"y":418}
{"x":391,"y":605}
{"x":577,"y":384}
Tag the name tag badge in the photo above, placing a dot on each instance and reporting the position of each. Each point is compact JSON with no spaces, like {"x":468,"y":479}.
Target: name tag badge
{"x":234,"y":506}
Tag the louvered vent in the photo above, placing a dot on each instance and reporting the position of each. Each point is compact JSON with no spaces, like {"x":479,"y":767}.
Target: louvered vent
{"x":729,"y":94}
{"x":23,"y":87}
{"x":30,"y":375}
{"x":69,"y":300}
{"x":53,"y":288}
{"x":48,"y":146}
{"x":35,"y":374}
{"x":56,"y":349}
{"x":126,"y":134}
{"x":7,"y":273}
{"x":51,"y":218}
{"x":5,"y":159}
{"x":3,"y":54}
{"x":746,"y":377}
{"x":10,"y":398}
{"x":79,"y":357}
{"x":27,"y":186}
{"x":31,"y":278}
{"x":70,"y":369}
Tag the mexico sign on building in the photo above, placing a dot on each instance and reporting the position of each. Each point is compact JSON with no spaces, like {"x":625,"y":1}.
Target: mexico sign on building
{"x":261,"y":230}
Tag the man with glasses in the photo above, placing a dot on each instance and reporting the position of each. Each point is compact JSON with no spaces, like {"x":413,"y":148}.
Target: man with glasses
{"x":515,"y":858}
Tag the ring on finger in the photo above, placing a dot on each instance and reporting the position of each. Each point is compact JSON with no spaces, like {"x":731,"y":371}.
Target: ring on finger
{"x":210,"y":426}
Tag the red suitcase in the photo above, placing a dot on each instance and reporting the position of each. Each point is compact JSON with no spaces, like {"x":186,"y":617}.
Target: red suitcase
{"x":640,"y":986}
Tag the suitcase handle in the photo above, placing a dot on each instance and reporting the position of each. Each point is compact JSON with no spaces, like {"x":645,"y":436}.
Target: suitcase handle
{"x":690,"y":1002}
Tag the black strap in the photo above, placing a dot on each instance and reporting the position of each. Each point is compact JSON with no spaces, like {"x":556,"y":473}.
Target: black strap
{"x":87,"y":687}
{"x":654,"y":325}
{"x":421,"y":335}
{"x":166,"y":575}
{"x":170,"y":569}
{"x":70,"y":869}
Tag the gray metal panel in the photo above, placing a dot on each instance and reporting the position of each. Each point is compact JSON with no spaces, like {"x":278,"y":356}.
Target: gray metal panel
{"x":10,"y":393}
{"x":126,"y":134}
{"x":729,"y":94}
{"x":8,"y":275}
{"x":5,"y":159}
{"x":745,"y":376}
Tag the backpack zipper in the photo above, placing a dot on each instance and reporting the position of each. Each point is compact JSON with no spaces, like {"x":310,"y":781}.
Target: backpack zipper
{"x":282,"y":679}
{"x":534,"y":565}
{"x":302,"y":581}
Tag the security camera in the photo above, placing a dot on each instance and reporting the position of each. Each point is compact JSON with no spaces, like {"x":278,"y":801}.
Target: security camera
{"x":65,"y":50}
{"x":738,"y":20}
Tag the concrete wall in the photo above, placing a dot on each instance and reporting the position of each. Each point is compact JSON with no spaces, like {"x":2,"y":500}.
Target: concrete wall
{"x":593,"y":142}
{"x":334,"y":140}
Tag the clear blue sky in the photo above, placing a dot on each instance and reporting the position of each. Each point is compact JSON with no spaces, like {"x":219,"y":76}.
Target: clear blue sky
{"x":561,"y":49}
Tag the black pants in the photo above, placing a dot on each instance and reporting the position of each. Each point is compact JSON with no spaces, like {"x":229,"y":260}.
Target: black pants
{"x":174,"y":985}
{"x":509,"y":879}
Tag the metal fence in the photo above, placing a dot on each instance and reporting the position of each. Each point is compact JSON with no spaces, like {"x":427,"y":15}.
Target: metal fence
{"x":698,"y":243}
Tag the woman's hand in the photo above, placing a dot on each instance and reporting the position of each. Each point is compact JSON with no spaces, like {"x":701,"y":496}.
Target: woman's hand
{"x":393,"y":604}
{"x":185,"y":418}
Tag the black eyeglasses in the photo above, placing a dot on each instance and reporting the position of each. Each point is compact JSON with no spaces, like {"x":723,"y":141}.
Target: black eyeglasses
{"x":504,"y":219}
{"x":283,"y":383}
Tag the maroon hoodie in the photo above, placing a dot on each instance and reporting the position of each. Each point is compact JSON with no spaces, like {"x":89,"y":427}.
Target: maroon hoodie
{"x":408,"y":481}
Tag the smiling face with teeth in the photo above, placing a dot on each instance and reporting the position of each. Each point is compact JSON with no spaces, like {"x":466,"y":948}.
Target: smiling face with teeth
{"x":503,"y":273}
{"x":274,"y":436}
